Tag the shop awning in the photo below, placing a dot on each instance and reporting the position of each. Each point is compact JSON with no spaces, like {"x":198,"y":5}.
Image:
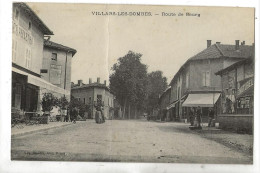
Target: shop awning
{"x":202,"y":100}
{"x":34,"y":80}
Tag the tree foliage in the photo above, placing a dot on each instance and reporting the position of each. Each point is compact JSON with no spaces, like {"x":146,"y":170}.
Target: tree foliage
{"x":48,"y":102}
{"x":129,"y":80}
{"x":157,"y":83}
{"x":77,"y":105}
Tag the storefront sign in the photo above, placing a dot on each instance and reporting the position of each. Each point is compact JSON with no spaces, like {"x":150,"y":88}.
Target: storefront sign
{"x":55,"y":74}
{"x":245,"y":86}
{"x":25,"y":35}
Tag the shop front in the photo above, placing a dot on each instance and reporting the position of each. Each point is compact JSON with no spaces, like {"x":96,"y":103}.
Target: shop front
{"x":203,"y":101}
{"x":28,"y":89}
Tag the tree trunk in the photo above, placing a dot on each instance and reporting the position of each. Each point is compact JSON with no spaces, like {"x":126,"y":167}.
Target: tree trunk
{"x":129,"y":107}
{"x":135,"y":111}
{"x":124,"y":109}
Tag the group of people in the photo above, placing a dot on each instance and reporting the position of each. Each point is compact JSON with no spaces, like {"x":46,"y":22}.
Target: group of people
{"x":195,"y":116}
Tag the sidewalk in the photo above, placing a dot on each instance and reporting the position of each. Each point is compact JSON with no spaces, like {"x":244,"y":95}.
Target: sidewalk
{"x":29,"y":129}
{"x":240,"y":142}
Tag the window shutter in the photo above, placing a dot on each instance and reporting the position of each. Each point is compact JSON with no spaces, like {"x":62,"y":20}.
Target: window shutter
{"x":203,"y":79}
{"x":207,"y":78}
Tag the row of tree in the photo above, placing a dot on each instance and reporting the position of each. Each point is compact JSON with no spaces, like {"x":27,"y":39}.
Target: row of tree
{"x":49,"y":101}
{"x":135,"y":89}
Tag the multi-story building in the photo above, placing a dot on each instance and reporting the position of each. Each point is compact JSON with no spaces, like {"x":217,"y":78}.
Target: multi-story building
{"x":28,"y":85}
{"x":56,"y":66}
{"x":195,"y":84}
{"x":237,"y":100}
{"x":164,"y":101}
{"x":238,"y":87}
{"x":92,"y":94}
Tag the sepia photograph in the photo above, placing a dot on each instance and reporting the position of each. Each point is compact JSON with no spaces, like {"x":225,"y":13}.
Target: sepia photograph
{"x":129,"y":83}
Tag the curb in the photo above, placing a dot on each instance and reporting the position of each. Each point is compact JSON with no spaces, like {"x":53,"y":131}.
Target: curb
{"x":39,"y":130}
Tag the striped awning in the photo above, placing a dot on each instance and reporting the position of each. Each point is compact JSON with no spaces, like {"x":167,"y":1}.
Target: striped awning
{"x":202,"y":100}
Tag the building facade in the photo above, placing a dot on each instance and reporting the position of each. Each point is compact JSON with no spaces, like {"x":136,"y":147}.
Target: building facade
{"x":195,"y":84}
{"x":238,"y":87}
{"x":28,"y":34}
{"x":56,"y":66}
{"x":92,"y":94}
{"x":164,"y":102}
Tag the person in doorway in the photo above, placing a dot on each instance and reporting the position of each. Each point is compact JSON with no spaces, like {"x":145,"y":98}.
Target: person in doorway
{"x":198,"y":116}
{"x":192,"y":116}
{"x":211,"y":116}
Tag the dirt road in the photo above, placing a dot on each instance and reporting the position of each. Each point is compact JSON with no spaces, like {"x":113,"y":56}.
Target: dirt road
{"x":125,"y":141}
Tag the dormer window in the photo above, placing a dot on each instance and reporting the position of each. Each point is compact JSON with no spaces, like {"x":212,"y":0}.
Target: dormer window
{"x":16,"y":14}
{"x":54,"y":56}
{"x":30,"y":26}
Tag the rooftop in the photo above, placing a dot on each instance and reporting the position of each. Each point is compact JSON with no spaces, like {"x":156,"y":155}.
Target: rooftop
{"x":34,"y":17}
{"x":92,"y":85}
{"x":231,"y":67}
{"x":50,"y":44}
{"x":219,"y":51}
{"x":224,"y":50}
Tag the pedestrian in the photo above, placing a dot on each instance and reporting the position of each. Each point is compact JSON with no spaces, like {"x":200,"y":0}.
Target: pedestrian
{"x":211,"y":116}
{"x":198,"y":116}
{"x":192,"y":116}
{"x":102,"y":113}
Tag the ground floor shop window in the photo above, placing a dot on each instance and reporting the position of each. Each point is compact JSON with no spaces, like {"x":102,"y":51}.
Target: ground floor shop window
{"x":16,"y":95}
{"x":245,"y":105}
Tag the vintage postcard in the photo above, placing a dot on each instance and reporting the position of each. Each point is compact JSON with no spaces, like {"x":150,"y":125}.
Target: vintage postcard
{"x":132,"y":83}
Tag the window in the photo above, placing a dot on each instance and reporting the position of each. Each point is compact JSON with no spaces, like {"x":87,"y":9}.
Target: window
{"x":206,"y":78}
{"x":29,"y":25}
{"x":28,"y":58}
{"x":247,"y":101}
{"x":54,"y":56}
{"x":99,"y":99}
{"x":89,"y":100}
{"x":16,"y":14}
{"x":17,"y":95}
{"x":84,"y":100}
{"x":14,"y":49}
{"x":206,"y":61}
{"x":178,"y":93}
{"x":79,"y":99}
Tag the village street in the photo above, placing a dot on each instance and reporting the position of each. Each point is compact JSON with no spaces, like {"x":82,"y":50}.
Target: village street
{"x":126,"y":141}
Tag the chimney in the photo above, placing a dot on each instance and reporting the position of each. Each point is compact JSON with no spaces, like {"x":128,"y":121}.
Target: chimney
{"x":208,"y":43}
{"x":80,"y":82}
{"x":217,"y":42}
{"x":72,"y":84}
{"x":237,"y":44}
{"x":243,"y":43}
{"x":105,"y":82}
{"x":98,"y":80}
{"x":89,"y":80}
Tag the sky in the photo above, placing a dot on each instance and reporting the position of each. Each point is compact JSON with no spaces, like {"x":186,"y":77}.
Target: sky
{"x":165,"y":42}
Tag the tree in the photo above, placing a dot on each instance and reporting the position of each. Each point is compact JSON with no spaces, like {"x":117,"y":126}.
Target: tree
{"x":157,"y":83}
{"x":77,"y":107}
{"x":48,"y":102}
{"x":129,"y":82}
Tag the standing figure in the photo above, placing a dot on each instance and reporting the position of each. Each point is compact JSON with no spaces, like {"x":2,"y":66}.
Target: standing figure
{"x":192,"y":116}
{"x":198,"y":116}
{"x":211,"y":116}
{"x":99,"y":116}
